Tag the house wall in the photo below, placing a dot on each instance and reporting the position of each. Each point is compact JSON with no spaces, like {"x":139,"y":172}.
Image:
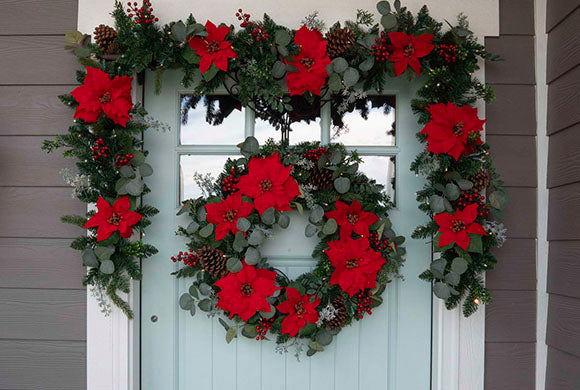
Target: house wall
{"x":42,"y":300}
{"x":510,"y":327}
{"x":563,"y":129}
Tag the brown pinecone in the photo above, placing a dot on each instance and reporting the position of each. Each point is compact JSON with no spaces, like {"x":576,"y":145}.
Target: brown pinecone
{"x":340,"y":318}
{"x":338,"y":41}
{"x":480,"y":180}
{"x":321,"y":178}
{"x":105,"y":37}
{"x":213,"y":261}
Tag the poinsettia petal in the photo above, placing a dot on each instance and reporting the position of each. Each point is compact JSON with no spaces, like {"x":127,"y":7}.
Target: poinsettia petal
{"x":94,"y":221}
{"x":422,"y":45}
{"x":446,"y":238}
{"x":443,"y":219}
{"x":400,"y":66}
{"x":399,"y":39}
{"x":221,"y":62}
{"x":215,"y":212}
{"x":205,"y":62}
{"x":104,"y":207}
{"x":476,"y":228}
{"x":132,"y":217}
{"x":105,"y":230}
{"x":97,"y":79}
{"x":122,"y":205}
{"x":415,"y":65}
{"x":221,"y":230}
{"x":462,"y":239}
{"x":199,"y":45}
{"x":469,"y":214}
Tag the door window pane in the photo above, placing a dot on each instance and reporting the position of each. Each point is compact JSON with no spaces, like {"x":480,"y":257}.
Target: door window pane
{"x":301,"y":131}
{"x":197,"y":172}
{"x":211,"y":120}
{"x":383,"y":170}
{"x":366,"y":121}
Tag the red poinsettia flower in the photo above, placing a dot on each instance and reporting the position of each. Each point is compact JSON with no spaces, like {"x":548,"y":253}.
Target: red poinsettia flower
{"x":310,"y":63}
{"x":453,"y":130}
{"x":226,"y":213}
{"x":100,"y":94}
{"x":457,"y":227}
{"x":355,"y":264}
{"x":110,"y":219}
{"x":244,"y":293}
{"x":269,"y":183}
{"x":213,"y":49}
{"x":407,"y":49}
{"x":352,"y":218}
{"x":300,"y":309}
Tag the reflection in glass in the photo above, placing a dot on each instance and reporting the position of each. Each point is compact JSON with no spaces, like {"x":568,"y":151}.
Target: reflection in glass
{"x":367,"y":120}
{"x":195,"y":170}
{"x":211,"y":120}
{"x":383,"y":170}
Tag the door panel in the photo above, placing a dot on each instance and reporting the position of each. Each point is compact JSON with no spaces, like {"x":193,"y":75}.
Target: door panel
{"x":388,"y":350}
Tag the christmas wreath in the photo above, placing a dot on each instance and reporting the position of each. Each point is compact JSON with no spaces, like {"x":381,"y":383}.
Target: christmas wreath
{"x":357,"y":255}
{"x":284,"y":76}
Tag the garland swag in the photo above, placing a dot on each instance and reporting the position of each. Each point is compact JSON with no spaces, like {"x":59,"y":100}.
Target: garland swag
{"x":258,"y":64}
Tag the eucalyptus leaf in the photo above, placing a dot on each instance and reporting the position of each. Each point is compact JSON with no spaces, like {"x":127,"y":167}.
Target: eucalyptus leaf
{"x":269,"y":216}
{"x":329,"y":227}
{"x":249,"y":331}
{"x":186,"y":301}
{"x":234,"y":265}
{"x":231,"y":334}
{"x":282,"y":37}
{"x":367,"y":64}
{"x":104,"y":252}
{"x":497,"y":199}
{"x":279,"y":69}
{"x":138,"y":158}
{"x":339,"y":64}
{"x":192,"y":227}
{"x":127,"y":171}
{"x":206,"y":231}
{"x":134,"y":187}
{"x":351,"y":77}
{"x":89,"y":258}
{"x":383,"y":7}
{"x":224,"y":324}
{"x":107,"y":267}
{"x":310,"y":230}
{"x":120,"y":185}
{"x":205,"y":289}
{"x":441,"y":290}
{"x":252,"y":256}
{"x":342,"y":184}
{"x":452,"y":278}
{"x":205,"y":305}
{"x":201,"y":214}
{"x":334,"y":82}
{"x":436,"y":203}
{"x":389,"y":21}
{"x":451,"y":191}
{"x":256,"y":238}
{"x":324,"y":337}
{"x":193,"y":291}
{"x":243,"y":224}
{"x":268,"y":314}
{"x":316,"y":214}
{"x":178,"y":31}
{"x":145,"y":170}
{"x":284,"y":220}
{"x":459,"y":265}
{"x":438,"y":265}
{"x":240,"y":242}
{"x":465,"y":185}
{"x":315,"y":345}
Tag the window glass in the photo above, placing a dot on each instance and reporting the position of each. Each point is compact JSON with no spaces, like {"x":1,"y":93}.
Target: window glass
{"x":195,"y":170}
{"x":211,"y":120}
{"x":382,"y":169}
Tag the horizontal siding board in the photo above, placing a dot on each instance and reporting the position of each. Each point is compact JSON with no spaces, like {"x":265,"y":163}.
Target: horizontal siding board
{"x":43,"y":314}
{"x":42,"y":365}
{"x":516,"y":268}
{"x":519,"y":216}
{"x":34,"y":110}
{"x":563,"y":331}
{"x":24,"y":164}
{"x":38,"y":16}
{"x":510,"y":366}
{"x":562,"y":372}
{"x":563,"y":213}
{"x":516,"y":17}
{"x":40,"y":263}
{"x":517,"y":52}
{"x":511,"y":317}
{"x":557,"y":10}
{"x":564,"y":268}
{"x":563,"y":101}
{"x":564,"y":157}
{"x":513,"y":112}
{"x":564,"y":46}
{"x":36,"y":60}
{"x":515,"y":159}
{"x":36,"y":212}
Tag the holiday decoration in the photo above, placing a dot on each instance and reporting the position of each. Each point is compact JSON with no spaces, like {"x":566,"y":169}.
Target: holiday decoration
{"x":334,"y":68}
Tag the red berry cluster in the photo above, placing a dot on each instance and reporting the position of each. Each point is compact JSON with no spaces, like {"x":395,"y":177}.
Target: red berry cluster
{"x":244,"y":18}
{"x":100,"y":150}
{"x":377,"y":243}
{"x":381,"y":48}
{"x":363,"y":304}
{"x":263,"y":327}
{"x":260,"y":34}
{"x":124,"y":159}
{"x":469,"y":198}
{"x":449,"y":53}
{"x":314,"y":154}
{"x":188,"y":258}
{"x":230,"y":183}
{"x":143,"y":14}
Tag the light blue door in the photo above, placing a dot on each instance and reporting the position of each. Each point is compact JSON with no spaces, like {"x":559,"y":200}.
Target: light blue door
{"x":388,"y":350}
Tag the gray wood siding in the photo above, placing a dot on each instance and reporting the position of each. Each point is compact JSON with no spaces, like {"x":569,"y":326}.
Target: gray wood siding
{"x":510,"y":323}
{"x":563,"y":76}
{"x":42,"y":300}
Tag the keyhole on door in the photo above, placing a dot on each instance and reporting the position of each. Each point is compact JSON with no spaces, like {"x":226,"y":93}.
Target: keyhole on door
{"x":154,"y":318}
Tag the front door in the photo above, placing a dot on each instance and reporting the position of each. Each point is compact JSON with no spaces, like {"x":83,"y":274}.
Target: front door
{"x":391,"y":349}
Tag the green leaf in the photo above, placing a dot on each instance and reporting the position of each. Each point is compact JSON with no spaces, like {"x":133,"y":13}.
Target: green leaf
{"x":200,"y":214}
{"x":231,"y":334}
{"x":269,"y":216}
{"x":436,"y":204}
{"x":459,"y":265}
{"x":89,"y":258}
{"x":342,"y":184}
{"x":193,"y":291}
{"x":224,"y":324}
{"x":334,"y":82}
{"x":107,"y":267}
{"x":192,"y":310}
{"x":145,"y":170}
{"x":452,"y":278}
{"x":389,"y":21}
{"x":243,"y":224}
{"x":336,"y":157}
{"x":351,"y":77}
{"x":323,"y":337}
{"x":497,"y":199}
{"x":315,"y":345}
{"x":252,"y":256}
{"x":250,"y":145}
{"x":329,"y":227}
{"x":268,"y":314}
{"x":210,"y":73}
{"x":104,"y":252}
{"x":299,"y":207}
{"x":256,"y":238}
{"x":397,"y":5}
{"x":74,"y":37}
{"x":192,"y":227}
{"x":134,"y":187}
{"x":441,"y":290}
{"x":475,"y":244}
{"x":186,"y":301}
{"x":465,"y":185}
{"x":316,"y":214}
{"x":282,"y":37}
{"x":121,"y":184}
{"x":436,"y":247}
{"x":206,"y":231}
{"x":127,"y":171}
{"x":240,"y":242}
{"x":367,"y":64}
{"x":234,"y":265}
{"x":339,"y":64}
{"x":249,"y":331}
{"x":284,"y":221}
{"x":451,"y":191}
{"x":205,"y":289}
{"x":138,"y":158}
{"x":205,"y":305}
{"x":310,"y":352}
{"x":190,"y":55}
{"x":279,"y":69}
{"x":383,"y":7}
{"x":438,"y":266}
{"x":178,"y":31}
{"x":310,"y":230}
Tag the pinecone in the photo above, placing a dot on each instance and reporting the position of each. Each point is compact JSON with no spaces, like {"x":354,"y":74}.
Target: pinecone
{"x":321,"y":178}
{"x":338,"y":41}
{"x":340,"y":319}
{"x":105,"y":37}
{"x":213,"y":261}
{"x":480,"y":180}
